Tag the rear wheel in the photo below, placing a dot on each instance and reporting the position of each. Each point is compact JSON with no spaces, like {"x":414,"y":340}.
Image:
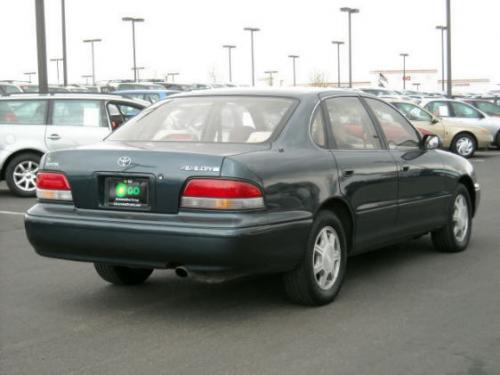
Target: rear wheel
{"x":455,"y":236}
{"x":318,"y":278}
{"x":464,"y":145}
{"x":497,"y":141}
{"x":20,"y":174}
{"x":120,"y":275}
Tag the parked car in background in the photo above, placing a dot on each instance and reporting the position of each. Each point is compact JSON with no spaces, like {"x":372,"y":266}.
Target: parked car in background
{"x":151,"y":96}
{"x":9,"y":88}
{"x":385,"y":93}
{"x":491,"y":109}
{"x":31,"y":125}
{"x":114,"y":86}
{"x":176,"y":86}
{"x":459,"y":112}
{"x":460,"y":138}
{"x":225,"y":183}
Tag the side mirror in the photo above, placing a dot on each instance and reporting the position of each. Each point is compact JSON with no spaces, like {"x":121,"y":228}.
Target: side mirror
{"x":431,"y":142}
{"x":434,"y":121}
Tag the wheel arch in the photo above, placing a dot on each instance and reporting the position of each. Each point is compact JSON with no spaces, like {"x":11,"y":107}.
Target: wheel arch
{"x":344,"y":212}
{"x":15,"y":154}
{"x":460,"y":133}
{"x":469,"y":185}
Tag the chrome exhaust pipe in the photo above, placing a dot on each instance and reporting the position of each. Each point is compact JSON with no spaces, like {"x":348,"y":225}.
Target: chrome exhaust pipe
{"x":181,"y":272}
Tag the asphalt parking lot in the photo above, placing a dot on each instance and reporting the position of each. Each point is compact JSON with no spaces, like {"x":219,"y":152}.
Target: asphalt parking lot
{"x":403,"y":310}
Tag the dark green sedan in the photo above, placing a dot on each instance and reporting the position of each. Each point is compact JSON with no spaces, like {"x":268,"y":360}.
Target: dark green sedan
{"x":219,"y":184}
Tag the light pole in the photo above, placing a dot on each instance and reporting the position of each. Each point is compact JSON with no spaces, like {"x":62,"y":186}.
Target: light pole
{"x":404,"y":56}
{"x":271,"y":72}
{"x":338,"y":43}
{"x":63,"y":30}
{"x":87,"y":76}
{"x":350,"y":11}
{"x":136,"y":72}
{"x":448,"y":45}
{"x":133,"y":20}
{"x":41,"y":47}
{"x":252,"y":30}
{"x":92,"y":41}
{"x":417,"y":85}
{"x":172,"y":75}
{"x":29,"y":74}
{"x":442,"y":28}
{"x":56,"y":60}
{"x":294,"y":57}
{"x":229,"y":48}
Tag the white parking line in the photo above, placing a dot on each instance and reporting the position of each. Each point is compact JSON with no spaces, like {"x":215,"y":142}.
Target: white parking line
{"x":11,"y":213}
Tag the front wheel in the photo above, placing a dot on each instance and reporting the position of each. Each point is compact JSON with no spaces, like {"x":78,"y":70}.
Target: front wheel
{"x":120,"y":275}
{"x":464,"y":145}
{"x":318,"y":278}
{"x":455,"y":235}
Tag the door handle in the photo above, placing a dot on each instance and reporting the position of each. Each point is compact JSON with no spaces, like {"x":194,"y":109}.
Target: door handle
{"x":54,"y":137}
{"x":348,"y":172}
{"x":406,"y":168}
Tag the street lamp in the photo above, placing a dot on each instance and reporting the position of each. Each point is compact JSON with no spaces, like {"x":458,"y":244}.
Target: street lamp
{"x":229,"y":48}
{"x":350,"y":11}
{"x":338,"y":43}
{"x":294,"y":57}
{"x":92,"y":41}
{"x":404,"y":56}
{"x":252,"y":30}
{"x":136,"y":72}
{"x":29,"y":74}
{"x":56,"y":60}
{"x":133,"y":20}
{"x":442,"y":28}
{"x":448,"y":45}
{"x":172,"y":75}
{"x":417,"y":85}
{"x":87,"y":76}
{"x":271,"y":72}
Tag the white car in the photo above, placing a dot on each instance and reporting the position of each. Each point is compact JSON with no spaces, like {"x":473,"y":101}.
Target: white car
{"x":31,"y":125}
{"x":462,"y":113}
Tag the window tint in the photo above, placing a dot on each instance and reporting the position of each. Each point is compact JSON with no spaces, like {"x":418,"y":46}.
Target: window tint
{"x":208,"y":119}
{"x":464,"y":110}
{"x":318,"y":129}
{"x":438,"y":109}
{"x":413,"y":112}
{"x":23,"y":112}
{"x":78,"y":113}
{"x":398,"y":132}
{"x":351,"y":125}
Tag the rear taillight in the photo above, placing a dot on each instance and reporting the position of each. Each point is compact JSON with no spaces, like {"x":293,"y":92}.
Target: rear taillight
{"x":220,"y":194}
{"x":53,"y":186}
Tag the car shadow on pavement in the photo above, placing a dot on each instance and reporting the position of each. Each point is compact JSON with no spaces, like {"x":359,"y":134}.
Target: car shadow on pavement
{"x":167,"y":295}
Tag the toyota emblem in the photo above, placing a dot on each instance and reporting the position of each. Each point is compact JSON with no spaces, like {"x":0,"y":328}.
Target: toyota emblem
{"x":124,"y":161}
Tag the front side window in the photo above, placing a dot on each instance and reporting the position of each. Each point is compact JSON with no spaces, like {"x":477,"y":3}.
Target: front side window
{"x":413,"y":112}
{"x":398,"y":132}
{"x":464,"y":110}
{"x":438,"y":108}
{"x":219,"y":119}
{"x":78,"y":113}
{"x":23,"y":112}
{"x":352,"y":128}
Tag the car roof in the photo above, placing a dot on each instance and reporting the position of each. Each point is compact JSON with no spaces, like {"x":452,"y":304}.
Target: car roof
{"x":293,"y":92}
{"x":92,"y":96}
{"x":152,"y":91}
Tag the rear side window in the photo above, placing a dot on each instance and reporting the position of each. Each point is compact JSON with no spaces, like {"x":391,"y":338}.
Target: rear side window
{"x":490,"y":108}
{"x":464,"y":110}
{"x":398,"y":132}
{"x":351,"y":125}
{"x":23,"y":112}
{"x":88,"y":113}
{"x":219,"y":119}
{"x":318,"y":129}
{"x":413,"y":112}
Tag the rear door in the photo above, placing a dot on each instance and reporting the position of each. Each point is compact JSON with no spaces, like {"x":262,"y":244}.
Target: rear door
{"x":422,"y":199}
{"x":368,"y":175}
{"x":76,"y":122}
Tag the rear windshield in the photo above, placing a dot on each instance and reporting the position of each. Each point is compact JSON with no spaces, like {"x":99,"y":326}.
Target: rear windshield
{"x":219,"y":119}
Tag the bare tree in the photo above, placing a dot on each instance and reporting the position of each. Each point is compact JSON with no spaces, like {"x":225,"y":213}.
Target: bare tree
{"x":212,"y":74}
{"x":318,"y":78}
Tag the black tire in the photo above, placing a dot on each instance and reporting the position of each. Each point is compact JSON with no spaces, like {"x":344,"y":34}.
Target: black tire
{"x":120,"y":275}
{"x":497,"y":140}
{"x":445,"y":239}
{"x":11,"y":167}
{"x":300,"y":284}
{"x":455,"y":145}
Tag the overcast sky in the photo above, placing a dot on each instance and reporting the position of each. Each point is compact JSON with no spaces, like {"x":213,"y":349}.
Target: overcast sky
{"x":185,"y":36}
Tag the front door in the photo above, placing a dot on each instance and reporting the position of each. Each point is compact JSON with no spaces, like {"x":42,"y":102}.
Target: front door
{"x":422,"y":199}
{"x":367,"y":171}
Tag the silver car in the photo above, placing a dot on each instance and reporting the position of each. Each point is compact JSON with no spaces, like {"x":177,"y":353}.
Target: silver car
{"x":31,"y":125}
{"x":458,"y":112}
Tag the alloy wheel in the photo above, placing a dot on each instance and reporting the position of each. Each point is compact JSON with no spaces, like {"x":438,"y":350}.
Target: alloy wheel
{"x":326,"y":257}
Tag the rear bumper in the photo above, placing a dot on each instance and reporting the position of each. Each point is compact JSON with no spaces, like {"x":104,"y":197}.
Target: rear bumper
{"x":203,"y":242}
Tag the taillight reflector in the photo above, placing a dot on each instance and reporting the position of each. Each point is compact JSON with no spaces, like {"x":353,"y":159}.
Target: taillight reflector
{"x":53,"y":186}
